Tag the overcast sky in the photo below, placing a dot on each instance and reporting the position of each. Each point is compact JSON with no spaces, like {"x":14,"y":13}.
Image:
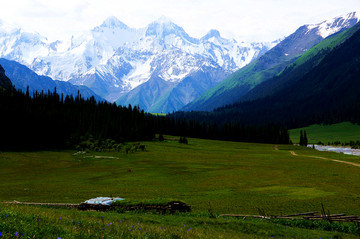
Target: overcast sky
{"x":248,"y":20}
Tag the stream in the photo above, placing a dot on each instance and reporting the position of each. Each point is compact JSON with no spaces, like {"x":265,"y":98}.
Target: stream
{"x":339,"y":149}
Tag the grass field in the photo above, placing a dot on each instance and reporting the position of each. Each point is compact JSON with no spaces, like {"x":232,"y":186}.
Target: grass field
{"x":216,"y":176}
{"x":343,"y":132}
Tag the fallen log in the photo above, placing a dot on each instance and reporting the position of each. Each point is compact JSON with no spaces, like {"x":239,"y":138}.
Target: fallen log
{"x":300,"y":214}
{"x":346,"y":217}
{"x":67,"y":205}
{"x":324,"y":216}
{"x":237,"y":215}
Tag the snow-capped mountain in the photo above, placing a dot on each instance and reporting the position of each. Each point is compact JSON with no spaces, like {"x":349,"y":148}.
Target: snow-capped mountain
{"x":273,"y":62}
{"x":329,"y":27}
{"x":113,"y":59}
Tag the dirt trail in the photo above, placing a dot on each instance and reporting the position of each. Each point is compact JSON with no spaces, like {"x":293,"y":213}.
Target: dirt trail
{"x":334,"y":160}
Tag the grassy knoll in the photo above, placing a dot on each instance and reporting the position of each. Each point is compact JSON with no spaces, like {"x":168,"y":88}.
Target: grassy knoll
{"x":223,"y":177}
{"x":343,"y":132}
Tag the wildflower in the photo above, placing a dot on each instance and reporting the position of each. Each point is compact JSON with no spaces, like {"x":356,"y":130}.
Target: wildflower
{"x":60,"y":218}
{"x":16,"y":234}
{"x":38,"y":220}
{"x":78,"y":222}
{"x":6,"y":215}
{"x":59,"y":238}
{"x":103,"y":229}
{"x":0,"y":234}
{"x":129,"y":230}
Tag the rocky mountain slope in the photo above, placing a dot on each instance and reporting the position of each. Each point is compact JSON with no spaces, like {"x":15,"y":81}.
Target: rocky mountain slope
{"x":113,"y":60}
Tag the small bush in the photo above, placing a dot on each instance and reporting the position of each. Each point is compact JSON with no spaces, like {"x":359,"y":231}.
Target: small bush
{"x":183,"y":140}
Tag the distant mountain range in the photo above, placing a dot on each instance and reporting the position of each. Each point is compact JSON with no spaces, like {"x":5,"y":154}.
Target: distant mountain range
{"x":321,"y":86}
{"x":236,"y":87}
{"x":144,"y":67}
{"x":159,"y":67}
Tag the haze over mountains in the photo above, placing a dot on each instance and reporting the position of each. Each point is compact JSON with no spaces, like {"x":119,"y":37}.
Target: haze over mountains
{"x":160,"y":67}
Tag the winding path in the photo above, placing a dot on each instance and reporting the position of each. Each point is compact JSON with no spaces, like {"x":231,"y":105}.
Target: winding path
{"x":334,"y":160}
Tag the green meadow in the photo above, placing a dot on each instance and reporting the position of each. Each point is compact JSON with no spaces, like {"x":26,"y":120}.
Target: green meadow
{"x":213,"y":177}
{"x":342,"y":132}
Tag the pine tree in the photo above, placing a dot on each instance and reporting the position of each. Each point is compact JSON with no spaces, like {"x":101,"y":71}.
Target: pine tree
{"x":305,"y":139}
{"x":301,"y":138}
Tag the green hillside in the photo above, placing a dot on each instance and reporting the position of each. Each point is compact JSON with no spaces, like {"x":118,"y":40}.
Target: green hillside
{"x":343,"y":132}
{"x":267,"y":66}
{"x":321,"y":89}
{"x":296,"y":71}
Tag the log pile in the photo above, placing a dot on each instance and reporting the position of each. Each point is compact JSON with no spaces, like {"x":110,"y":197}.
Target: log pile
{"x":306,"y":216}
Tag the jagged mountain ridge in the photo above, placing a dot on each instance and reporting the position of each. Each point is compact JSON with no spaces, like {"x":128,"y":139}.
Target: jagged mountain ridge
{"x":112,"y":59}
{"x":271,"y":63}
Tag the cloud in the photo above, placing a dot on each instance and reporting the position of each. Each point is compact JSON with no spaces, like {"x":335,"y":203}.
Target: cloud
{"x":249,"y":20}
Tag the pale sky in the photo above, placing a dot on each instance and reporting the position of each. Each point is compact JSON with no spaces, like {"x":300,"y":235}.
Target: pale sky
{"x":247,"y":20}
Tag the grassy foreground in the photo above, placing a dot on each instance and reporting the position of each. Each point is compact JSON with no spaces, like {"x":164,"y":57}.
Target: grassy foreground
{"x":343,"y":132}
{"x":36,"y":222}
{"x":213,"y":177}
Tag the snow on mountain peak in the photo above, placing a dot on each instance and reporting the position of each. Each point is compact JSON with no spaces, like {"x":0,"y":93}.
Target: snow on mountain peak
{"x":113,"y":58}
{"x":210,"y":34}
{"x":112,"y":22}
{"x":164,"y":20}
{"x":6,"y":28}
{"x":163,"y":27}
{"x":329,"y":27}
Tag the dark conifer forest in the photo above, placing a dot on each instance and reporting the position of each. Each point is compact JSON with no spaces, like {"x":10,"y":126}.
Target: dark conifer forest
{"x":53,"y":121}
{"x":49,"y":120}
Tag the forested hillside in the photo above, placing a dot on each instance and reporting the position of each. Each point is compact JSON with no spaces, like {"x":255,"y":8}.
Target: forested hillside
{"x":327,"y":91}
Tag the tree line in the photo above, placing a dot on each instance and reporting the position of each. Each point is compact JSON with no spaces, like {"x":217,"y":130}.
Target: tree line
{"x":47,"y":120}
{"x":53,"y":121}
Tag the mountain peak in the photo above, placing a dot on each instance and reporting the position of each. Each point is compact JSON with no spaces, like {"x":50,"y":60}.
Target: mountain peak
{"x":329,"y":27}
{"x":164,"y":20}
{"x":113,"y":22}
{"x":163,"y":27}
{"x":210,"y":34}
